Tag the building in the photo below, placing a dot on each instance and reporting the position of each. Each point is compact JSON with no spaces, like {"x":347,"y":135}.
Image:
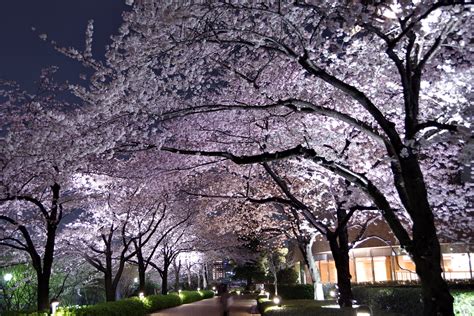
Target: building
{"x":378,"y":261}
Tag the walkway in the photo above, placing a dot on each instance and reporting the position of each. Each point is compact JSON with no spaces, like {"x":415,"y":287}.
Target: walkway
{"x":209,"y":307}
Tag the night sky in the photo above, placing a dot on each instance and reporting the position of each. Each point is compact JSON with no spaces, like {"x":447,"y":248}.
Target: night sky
{"x":23,"y":54}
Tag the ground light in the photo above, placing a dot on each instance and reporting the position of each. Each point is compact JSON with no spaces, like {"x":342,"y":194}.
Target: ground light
{"x":277,"y":301}
{"x":54,"y":305}
{"x":238,"y":292}
{"x":199,"y":289}
{"x":364,"y":310}
{"x":8,"y":277}
{"x":141,"y":295}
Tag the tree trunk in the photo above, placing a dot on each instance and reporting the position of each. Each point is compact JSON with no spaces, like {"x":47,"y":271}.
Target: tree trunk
{"x":141,"y":280}
{"x":204,"y":277}
{"x":109,"y":288}
{"x":43,"y":292}
{"x":44,"y":274}
{"x":341,"y":259}
{"x":314,"y":271}
{"x":425,"y":249}
{"x":164,"y":281}
{"x":141,"y":271}
{"x":189,"y":275}
{"x":177,"y":268}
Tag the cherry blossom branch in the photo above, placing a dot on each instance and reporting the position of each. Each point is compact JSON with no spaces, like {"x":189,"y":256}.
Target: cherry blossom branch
{"x":296,"y":105}
{"x":299,"y":151}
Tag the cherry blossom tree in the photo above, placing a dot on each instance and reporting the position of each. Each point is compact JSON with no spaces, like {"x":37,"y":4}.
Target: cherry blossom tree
{"x":397,"y":72}
{"x":40,"y":153}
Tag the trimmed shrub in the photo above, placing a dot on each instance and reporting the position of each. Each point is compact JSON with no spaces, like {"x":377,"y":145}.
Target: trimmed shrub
{"x":189,"y":296}
{"x":463,"y":302}
{"x":127,"y":307}
{"x":303,"y":308}
{"x":26,"y":313}
{"x":287,"y":276}
{"x":404,"y":300}
{"x":293,"y":292}
{"x":158,"y":302}
{"x":264,"y":304}
{"x":206,"y":294}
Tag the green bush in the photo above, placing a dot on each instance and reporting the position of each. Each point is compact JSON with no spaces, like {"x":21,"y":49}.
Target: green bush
{"x":463,"y":302}
{"x":303,"y":308}
{"x":264,"y":304}
{"x":294,"y":292}
{"x":190,"y":296}
{"x":26,"y":313}
{"x":206,"y":294}
{"x":127,"y":307}
{"x":157,"y":302}
{"x":404,"y":300}
{"x":287,"y":276}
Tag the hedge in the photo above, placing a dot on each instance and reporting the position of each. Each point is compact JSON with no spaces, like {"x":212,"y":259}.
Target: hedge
{"x":302,"y":308}
{"x":290,"y":292}
{"x":407,"y":300}
{"x":127,"y":307}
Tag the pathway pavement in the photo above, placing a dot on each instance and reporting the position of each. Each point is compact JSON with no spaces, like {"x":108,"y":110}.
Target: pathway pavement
{"x":241,"y":307}
{"x":210,"y":307}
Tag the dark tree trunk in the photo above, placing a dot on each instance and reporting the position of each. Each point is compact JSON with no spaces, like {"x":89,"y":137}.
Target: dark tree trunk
{"x":141,"y":271}
{"x":341,"y":260}
{"x":44,"y":273}
{"x":108,"y":282}
{"x":164,"y":280}
{"x":43,"y":292}
{"x":109,"y":288}
{"x":177,"y":268}
{"x":425,"y":249}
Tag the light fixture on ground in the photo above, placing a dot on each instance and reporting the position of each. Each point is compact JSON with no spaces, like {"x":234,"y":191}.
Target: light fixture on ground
{"x":363,"y":310}
{"x":199,"y":289}
{"x":141,"y":295}
{"x":8,"y":277}
{"x":277,"y":300}
{"x":238,"y":292}
{"x":54,"y":306}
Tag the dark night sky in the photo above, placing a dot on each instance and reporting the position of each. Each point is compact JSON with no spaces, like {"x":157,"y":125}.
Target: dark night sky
{"x":23,"y":54}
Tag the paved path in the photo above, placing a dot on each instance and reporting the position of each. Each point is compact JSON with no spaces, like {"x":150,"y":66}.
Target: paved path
{"x":209,"y":307}
{"x":241,"y":307}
